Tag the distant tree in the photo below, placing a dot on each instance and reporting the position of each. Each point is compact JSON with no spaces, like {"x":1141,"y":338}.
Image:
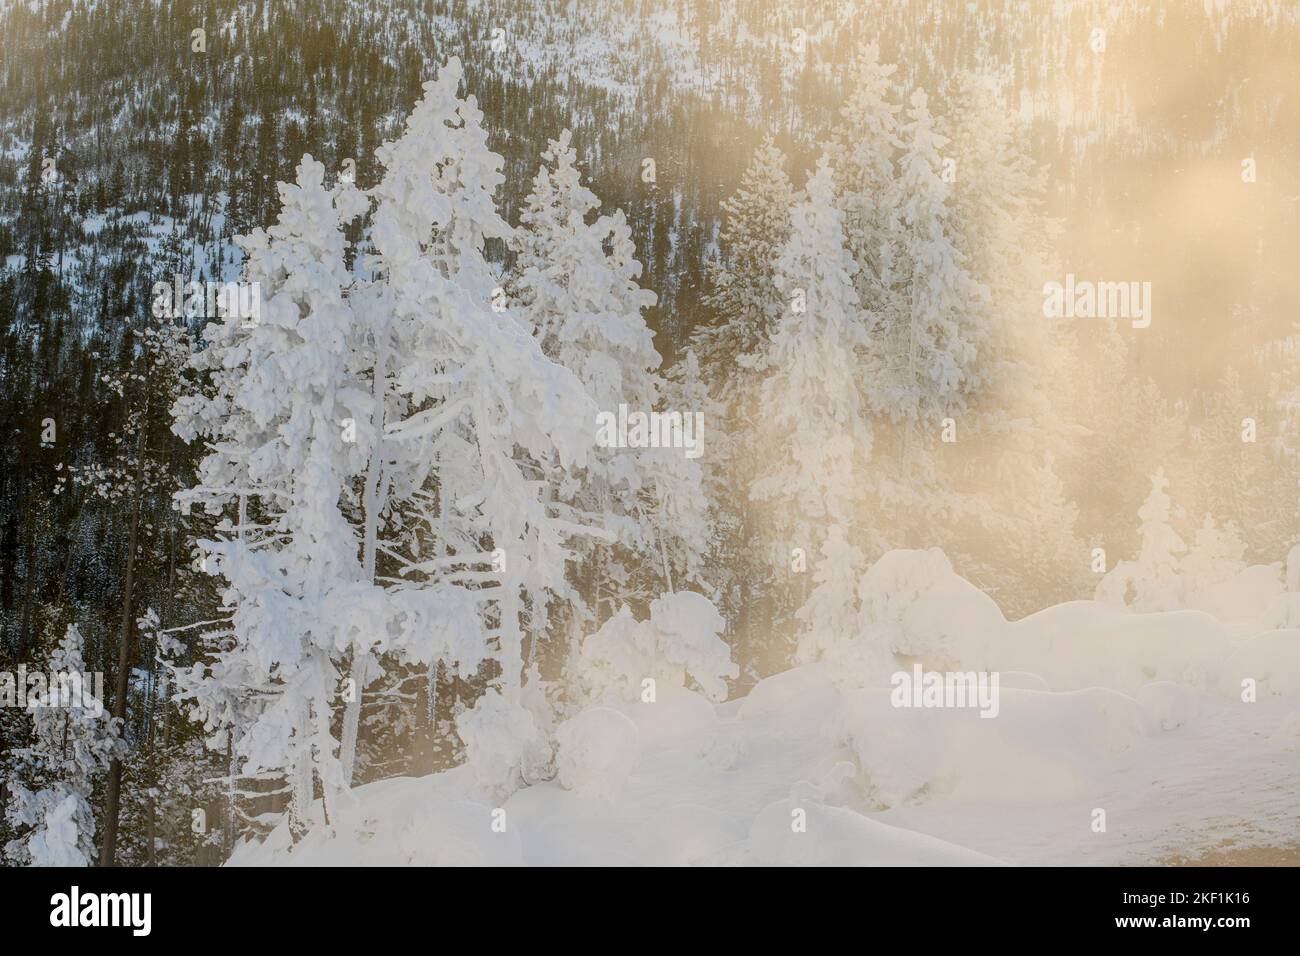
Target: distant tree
{"x":53,"y":778}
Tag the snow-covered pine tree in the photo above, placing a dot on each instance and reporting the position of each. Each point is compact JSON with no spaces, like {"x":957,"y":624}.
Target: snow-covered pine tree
{"x":575,"y":284}
{"x":864,"y":152}
{"x":1214,"y":558}
{"x":813,"y":426}
{"x":584,"y":306}
{"x":53,"y":778}
{"x":829,"y":616}
{"x":743,"y":297}
{"x":930,"y":358}
{"x":745,"y":307}
{"x":278,"y":422}
{"x":1150,"y":582}
{"x":486,"y":417}
{"x":1016,"y":536}
{"x":922,"y":364}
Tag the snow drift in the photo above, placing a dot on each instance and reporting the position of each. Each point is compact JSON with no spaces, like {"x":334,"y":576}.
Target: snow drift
{"x":1172,"y":723}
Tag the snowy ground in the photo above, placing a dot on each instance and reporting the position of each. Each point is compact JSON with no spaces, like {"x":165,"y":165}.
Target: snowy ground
{"x":1139,"y":715}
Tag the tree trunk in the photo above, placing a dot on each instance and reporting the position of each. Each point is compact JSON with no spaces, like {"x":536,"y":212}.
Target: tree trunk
{"x":372,"y":503}
{"x":24,"y":634}
{"x":108,"y":852}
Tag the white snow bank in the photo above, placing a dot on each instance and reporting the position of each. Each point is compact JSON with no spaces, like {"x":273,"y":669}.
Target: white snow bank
{"x":426,"y":821}
{"x":1141,"y":714}
{"x":1271,"y":660}
{"x":1240,"y":597}
{"x":1088,"y":644}
{"x":1040,"y":745}
{"x":914,"y":607}
{"x":834,"y":836}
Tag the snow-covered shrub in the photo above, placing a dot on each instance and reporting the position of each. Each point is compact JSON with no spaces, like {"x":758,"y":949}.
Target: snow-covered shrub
{"x":679,"y":641}
{"x":1240,"y":596}
{"x":502,"y":743}
{"x":597,"y":751}
{"x":910,"y":604}
{"x":1089,"y":644}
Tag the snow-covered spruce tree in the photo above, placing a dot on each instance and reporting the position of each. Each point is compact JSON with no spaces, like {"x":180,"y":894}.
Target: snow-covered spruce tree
{"x":584,"y":307}
{"x":1151,"y":581}
{"x":277,"y":422}
{"x":1263,"y":494}
{"x":743,"y":297}
{"x":813,"y":432}
{"x":923,"y":362}
{"x":1128,"y":419}
{"x":487,"y":417}
{"x":864,"y":151}
{"x":829,"y":616}
{"x":946,"y":296}
{"x":745,"y":306}
{"x":927,"y":359}
{"x":1019,"y":537}
{"x":575,"y":288}
{"x":53,"y":778}
{"x":1214,"y":558}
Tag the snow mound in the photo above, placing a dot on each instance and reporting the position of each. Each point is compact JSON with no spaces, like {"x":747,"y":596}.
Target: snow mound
{"x":1280,"y":613}
{"x":1241,"y":596}
{"x":795,"y":832}
{"x":1040,"y":745}
{"x":402,"y":821}
{"x":598,"y":750}
{"x":1086,"y":643}
{"x":1271,"y":659}
{"x":799,"y":696}
{"x":676,"y":714}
